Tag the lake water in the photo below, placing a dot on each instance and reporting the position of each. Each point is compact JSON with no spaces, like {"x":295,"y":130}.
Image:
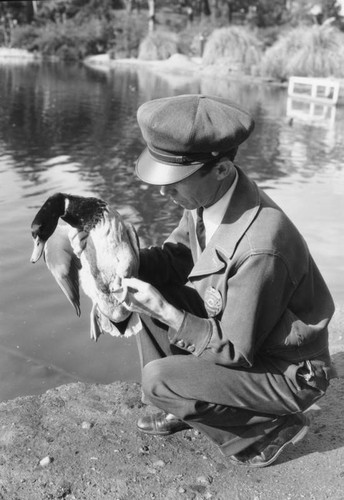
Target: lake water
{"x":73,"y":129}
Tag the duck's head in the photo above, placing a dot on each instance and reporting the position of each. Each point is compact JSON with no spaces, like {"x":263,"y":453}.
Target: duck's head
{"x":45,"y":222}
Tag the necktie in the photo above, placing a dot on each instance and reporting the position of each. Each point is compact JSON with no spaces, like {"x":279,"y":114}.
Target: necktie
{"x":200,"y":228}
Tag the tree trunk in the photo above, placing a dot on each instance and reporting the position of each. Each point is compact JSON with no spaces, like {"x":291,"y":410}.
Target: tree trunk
{"x":151,"y":15}
{"x":205,"y":8}
{"x":29,"y":11}
{"x":34,"y":7}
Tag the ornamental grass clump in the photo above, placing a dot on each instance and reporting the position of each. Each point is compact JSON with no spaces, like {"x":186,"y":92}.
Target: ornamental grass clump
{"x":316,"y":51}
{"x":158,"y":45}
{"x":235,"y":48}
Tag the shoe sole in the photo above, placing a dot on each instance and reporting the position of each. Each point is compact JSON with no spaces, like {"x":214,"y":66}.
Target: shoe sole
{"x":163,"y":433}
{"x":298,"y":437}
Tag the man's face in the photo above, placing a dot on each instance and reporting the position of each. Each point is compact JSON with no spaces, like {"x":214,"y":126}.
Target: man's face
{"x":195,"y":191}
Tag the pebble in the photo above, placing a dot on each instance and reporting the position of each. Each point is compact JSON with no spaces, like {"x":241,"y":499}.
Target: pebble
{"x":159,"y":463}
{"x":46,"y":461}
{"x":144,"y":450}
{"x":87,"y":425}
{"x":204,"y":479}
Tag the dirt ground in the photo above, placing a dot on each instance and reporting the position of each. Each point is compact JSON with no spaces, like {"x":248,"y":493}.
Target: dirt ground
{"x":79,"y":442}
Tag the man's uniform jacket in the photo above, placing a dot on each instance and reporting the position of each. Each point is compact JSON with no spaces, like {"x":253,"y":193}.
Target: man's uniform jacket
{"x":261,"y":292}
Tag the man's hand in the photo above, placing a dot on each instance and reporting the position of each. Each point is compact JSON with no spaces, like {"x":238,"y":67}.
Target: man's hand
{"x":141,"y":297}
{"x":78,"y":240}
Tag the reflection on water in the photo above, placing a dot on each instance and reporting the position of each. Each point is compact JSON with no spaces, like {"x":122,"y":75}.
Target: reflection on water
{"x":69,"y":128}
{"x":311,"y":112}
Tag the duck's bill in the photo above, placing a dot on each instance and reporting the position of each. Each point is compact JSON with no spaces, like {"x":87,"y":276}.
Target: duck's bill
{"x":38,"y":247}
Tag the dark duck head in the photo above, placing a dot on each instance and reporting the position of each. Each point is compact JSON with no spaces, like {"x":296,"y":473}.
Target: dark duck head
{"x":111,"y":254}
{"x":79,"y":212}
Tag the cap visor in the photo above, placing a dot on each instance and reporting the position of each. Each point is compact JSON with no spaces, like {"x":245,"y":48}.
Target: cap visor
{"x":160,"y":173}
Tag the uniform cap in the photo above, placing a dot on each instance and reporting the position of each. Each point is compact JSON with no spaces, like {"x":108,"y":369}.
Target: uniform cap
{"x":184,"y":132}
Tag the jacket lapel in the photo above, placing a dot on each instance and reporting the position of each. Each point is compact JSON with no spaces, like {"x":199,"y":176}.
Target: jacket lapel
{"x":241,"y":212}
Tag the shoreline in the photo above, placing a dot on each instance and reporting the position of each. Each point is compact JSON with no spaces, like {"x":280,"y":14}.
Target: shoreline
{"x":177,"y":64}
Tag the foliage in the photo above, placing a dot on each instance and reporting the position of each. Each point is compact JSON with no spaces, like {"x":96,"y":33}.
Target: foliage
{"x":128,"y":31}
{"x":306,"y":51}
{"x":300,"y":13}
{"x":65,"y":40}
{"x":270,"y":13}
{"x":158,"y":45}
{"x":25,"y":36}
{"x":235,"y":47}
{"x":192,"y":38}
{"x":74,"y":29}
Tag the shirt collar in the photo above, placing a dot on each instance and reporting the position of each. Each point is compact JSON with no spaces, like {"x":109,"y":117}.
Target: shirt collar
{"x":213,"y":215}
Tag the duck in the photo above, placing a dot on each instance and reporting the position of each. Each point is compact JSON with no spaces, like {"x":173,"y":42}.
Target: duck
{"x":111,"y":254}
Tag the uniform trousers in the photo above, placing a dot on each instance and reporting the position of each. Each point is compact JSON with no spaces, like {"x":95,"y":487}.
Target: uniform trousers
{"x":233,"y":407}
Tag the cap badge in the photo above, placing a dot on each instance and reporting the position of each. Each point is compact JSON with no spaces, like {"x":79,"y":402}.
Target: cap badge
{"x":212,"y":301}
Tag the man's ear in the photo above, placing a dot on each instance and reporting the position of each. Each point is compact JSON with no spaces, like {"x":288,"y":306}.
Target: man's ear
{"x":223,"y":169}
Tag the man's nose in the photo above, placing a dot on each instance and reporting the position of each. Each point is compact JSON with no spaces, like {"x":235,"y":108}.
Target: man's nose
{"x":169,"y":190}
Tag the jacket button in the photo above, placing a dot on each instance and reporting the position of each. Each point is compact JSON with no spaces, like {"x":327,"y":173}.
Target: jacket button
{"x":180,"y":343}
{"x":191,"y":348}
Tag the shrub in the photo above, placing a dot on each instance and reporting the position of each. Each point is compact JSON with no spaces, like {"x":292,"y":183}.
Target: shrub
{"x":158,"y":45}
{"x":190,"y":36}
{"x":128,"y":30}
{"x":66,"y":40}
{"x":234,"y":47}
{"x":25,"y":36}
{"x":306,"y":51}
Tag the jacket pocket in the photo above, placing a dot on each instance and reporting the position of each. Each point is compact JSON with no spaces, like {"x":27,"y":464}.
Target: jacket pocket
{"x":294,"y":340}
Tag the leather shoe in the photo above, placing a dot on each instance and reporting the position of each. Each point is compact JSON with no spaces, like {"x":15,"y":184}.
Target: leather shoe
{"x":161,"y":424}
{"x":266,"y":451}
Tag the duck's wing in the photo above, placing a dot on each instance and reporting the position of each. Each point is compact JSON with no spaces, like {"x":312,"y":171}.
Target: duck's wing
{"x":133,"y":239}
{"x":64,"y":265}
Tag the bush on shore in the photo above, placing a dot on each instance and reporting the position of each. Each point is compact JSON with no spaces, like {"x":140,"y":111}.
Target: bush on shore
{"x":64,"y":40}
{"x":316,"y":51}
{"x":303,"y":51}
{"x":158,"y":45}
{"x":235,"y":47}
{"x":75,"y":40}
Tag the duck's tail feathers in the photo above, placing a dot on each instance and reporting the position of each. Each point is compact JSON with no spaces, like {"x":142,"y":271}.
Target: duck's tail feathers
{"x":101,"y":324}
{"x":95,"y":329}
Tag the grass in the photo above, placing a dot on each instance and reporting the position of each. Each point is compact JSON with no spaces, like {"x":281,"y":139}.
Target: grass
{"x":235,"y":47}
{"x":316,"y":51}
